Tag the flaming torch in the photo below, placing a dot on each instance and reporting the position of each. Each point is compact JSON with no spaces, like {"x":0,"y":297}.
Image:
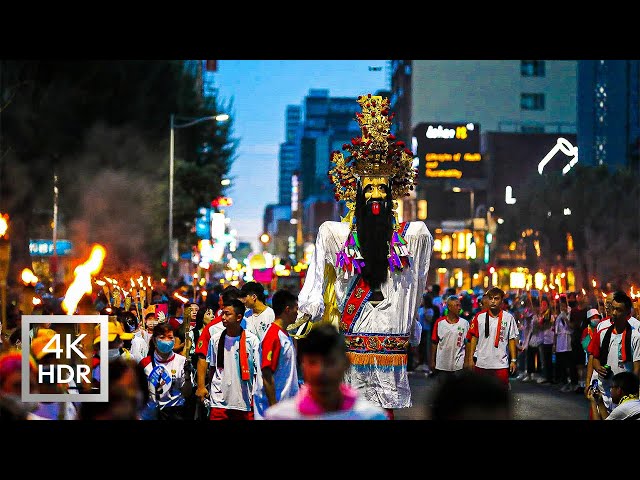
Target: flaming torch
{"x":177,"y":296}
{"x":636,"y":304}
{"x":82,"y":282}
{"x":142,"y":291}
{"x":81,"y":285}
{"x":28,"y":279}
{"x":105,"y":289}
{"x":149,"y":291}
{"x":5,"y":257}
{"x":597,"y":292}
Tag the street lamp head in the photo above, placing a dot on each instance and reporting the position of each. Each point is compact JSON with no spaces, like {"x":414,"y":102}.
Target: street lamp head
{"x":456,"y":189}
{"x":264,"y":238}
{"x":223,"y":117}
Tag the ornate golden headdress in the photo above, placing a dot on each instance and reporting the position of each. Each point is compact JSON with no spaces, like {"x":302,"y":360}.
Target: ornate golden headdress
{"x":375,"y":154}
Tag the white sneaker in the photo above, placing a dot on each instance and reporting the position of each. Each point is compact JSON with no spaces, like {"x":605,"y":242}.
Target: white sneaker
{"x":422,"y":368}
{"x":542,"y":380}
{"x":521,"y":376}
{"x":527,"y":378}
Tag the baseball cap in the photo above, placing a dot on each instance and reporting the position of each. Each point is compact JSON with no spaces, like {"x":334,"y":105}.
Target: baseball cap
{"x":592,"y":313}
{"x":42,"y":338}
{"x":115,"y":330}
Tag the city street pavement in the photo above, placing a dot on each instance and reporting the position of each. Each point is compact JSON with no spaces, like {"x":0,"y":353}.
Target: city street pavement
{"x":531,"y":401}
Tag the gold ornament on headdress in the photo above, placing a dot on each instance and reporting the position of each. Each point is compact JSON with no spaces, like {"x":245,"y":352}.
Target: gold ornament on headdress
{"x":374,"y":154}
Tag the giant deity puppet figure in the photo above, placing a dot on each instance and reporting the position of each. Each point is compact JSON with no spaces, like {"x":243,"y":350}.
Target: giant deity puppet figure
{"x":368,"y":272}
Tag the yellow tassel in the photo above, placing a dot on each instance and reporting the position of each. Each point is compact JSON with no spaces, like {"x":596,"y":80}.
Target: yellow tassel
{"x":390,"y":359}
{"x":331,"y":313}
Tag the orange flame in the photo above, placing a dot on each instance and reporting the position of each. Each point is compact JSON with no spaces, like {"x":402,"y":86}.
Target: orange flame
{"x":149,"y":281}
{"x":82,"y":283}
{"x":593,"y":282}
{"x":28,"y":278}
{"x":180,"y":297}
{"x":36,"y":301}
{"x":583,"y":292}
{"x":4,"y":224}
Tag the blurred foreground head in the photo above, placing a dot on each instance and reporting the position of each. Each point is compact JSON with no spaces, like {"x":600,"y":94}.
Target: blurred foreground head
{"x":471,"y":396}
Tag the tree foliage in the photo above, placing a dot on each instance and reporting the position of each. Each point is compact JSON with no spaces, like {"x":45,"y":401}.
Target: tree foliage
{"x":103,"y":128}
{"x":604,"y":222}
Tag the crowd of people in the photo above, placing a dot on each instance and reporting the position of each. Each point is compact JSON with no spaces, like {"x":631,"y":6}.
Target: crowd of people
{"x":232,"y":357}
{"x":343,"y":346}
{"x":564,"y":341}
{"x":229,"y":360}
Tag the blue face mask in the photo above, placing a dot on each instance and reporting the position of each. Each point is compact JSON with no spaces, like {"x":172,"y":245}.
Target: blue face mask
{"x":113,"y":353}
{"x":165,"y":346}
{"x":594,"y":323}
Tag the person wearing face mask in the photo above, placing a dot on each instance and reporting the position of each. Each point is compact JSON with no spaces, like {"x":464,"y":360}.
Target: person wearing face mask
{"x":165,"y":371}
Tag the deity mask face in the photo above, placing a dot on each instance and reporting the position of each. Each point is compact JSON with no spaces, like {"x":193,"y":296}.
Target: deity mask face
{"x":375,"y":190}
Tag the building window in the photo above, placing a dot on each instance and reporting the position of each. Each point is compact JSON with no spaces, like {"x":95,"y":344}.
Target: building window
{"x":532,"y":68}
{"x":532,"y":101}
{"x":532,"y":128}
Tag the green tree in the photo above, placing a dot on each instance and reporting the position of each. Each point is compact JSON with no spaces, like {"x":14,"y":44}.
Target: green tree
{"x":604,"y":223}
{"x":103,"y":128}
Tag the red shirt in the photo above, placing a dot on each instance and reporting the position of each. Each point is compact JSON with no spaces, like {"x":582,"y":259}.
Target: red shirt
{"x":203,"y":340}
{"x":271,"y":347}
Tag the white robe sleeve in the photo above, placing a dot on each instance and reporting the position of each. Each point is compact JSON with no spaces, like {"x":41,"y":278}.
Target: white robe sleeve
{"x":310,"y":299}
{"x":420,"y":246}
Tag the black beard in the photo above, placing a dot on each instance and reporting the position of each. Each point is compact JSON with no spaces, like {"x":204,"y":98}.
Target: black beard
{"x":374,"y":234}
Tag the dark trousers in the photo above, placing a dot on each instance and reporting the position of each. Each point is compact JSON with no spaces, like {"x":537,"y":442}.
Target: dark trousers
{"x":532,"y":355}
{"x":546,"y":355}
{"x":565,"y":363}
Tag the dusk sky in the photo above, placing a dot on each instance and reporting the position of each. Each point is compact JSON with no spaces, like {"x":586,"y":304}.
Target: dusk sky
{"x":261,"y":91}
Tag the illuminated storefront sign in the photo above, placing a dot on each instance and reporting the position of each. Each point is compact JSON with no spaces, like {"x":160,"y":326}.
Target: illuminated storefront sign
{"x":562,"y":145}
{"x":449,"y":150}
{"x":44,"y":248}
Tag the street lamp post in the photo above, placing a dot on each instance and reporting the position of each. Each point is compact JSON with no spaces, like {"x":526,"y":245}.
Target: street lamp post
{"x":172,"y":126}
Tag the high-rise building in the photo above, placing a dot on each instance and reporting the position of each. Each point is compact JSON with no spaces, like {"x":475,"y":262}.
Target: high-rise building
{"x":608,"y":112}
{"x":467,"y":121}
{"x":289,"y":157}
